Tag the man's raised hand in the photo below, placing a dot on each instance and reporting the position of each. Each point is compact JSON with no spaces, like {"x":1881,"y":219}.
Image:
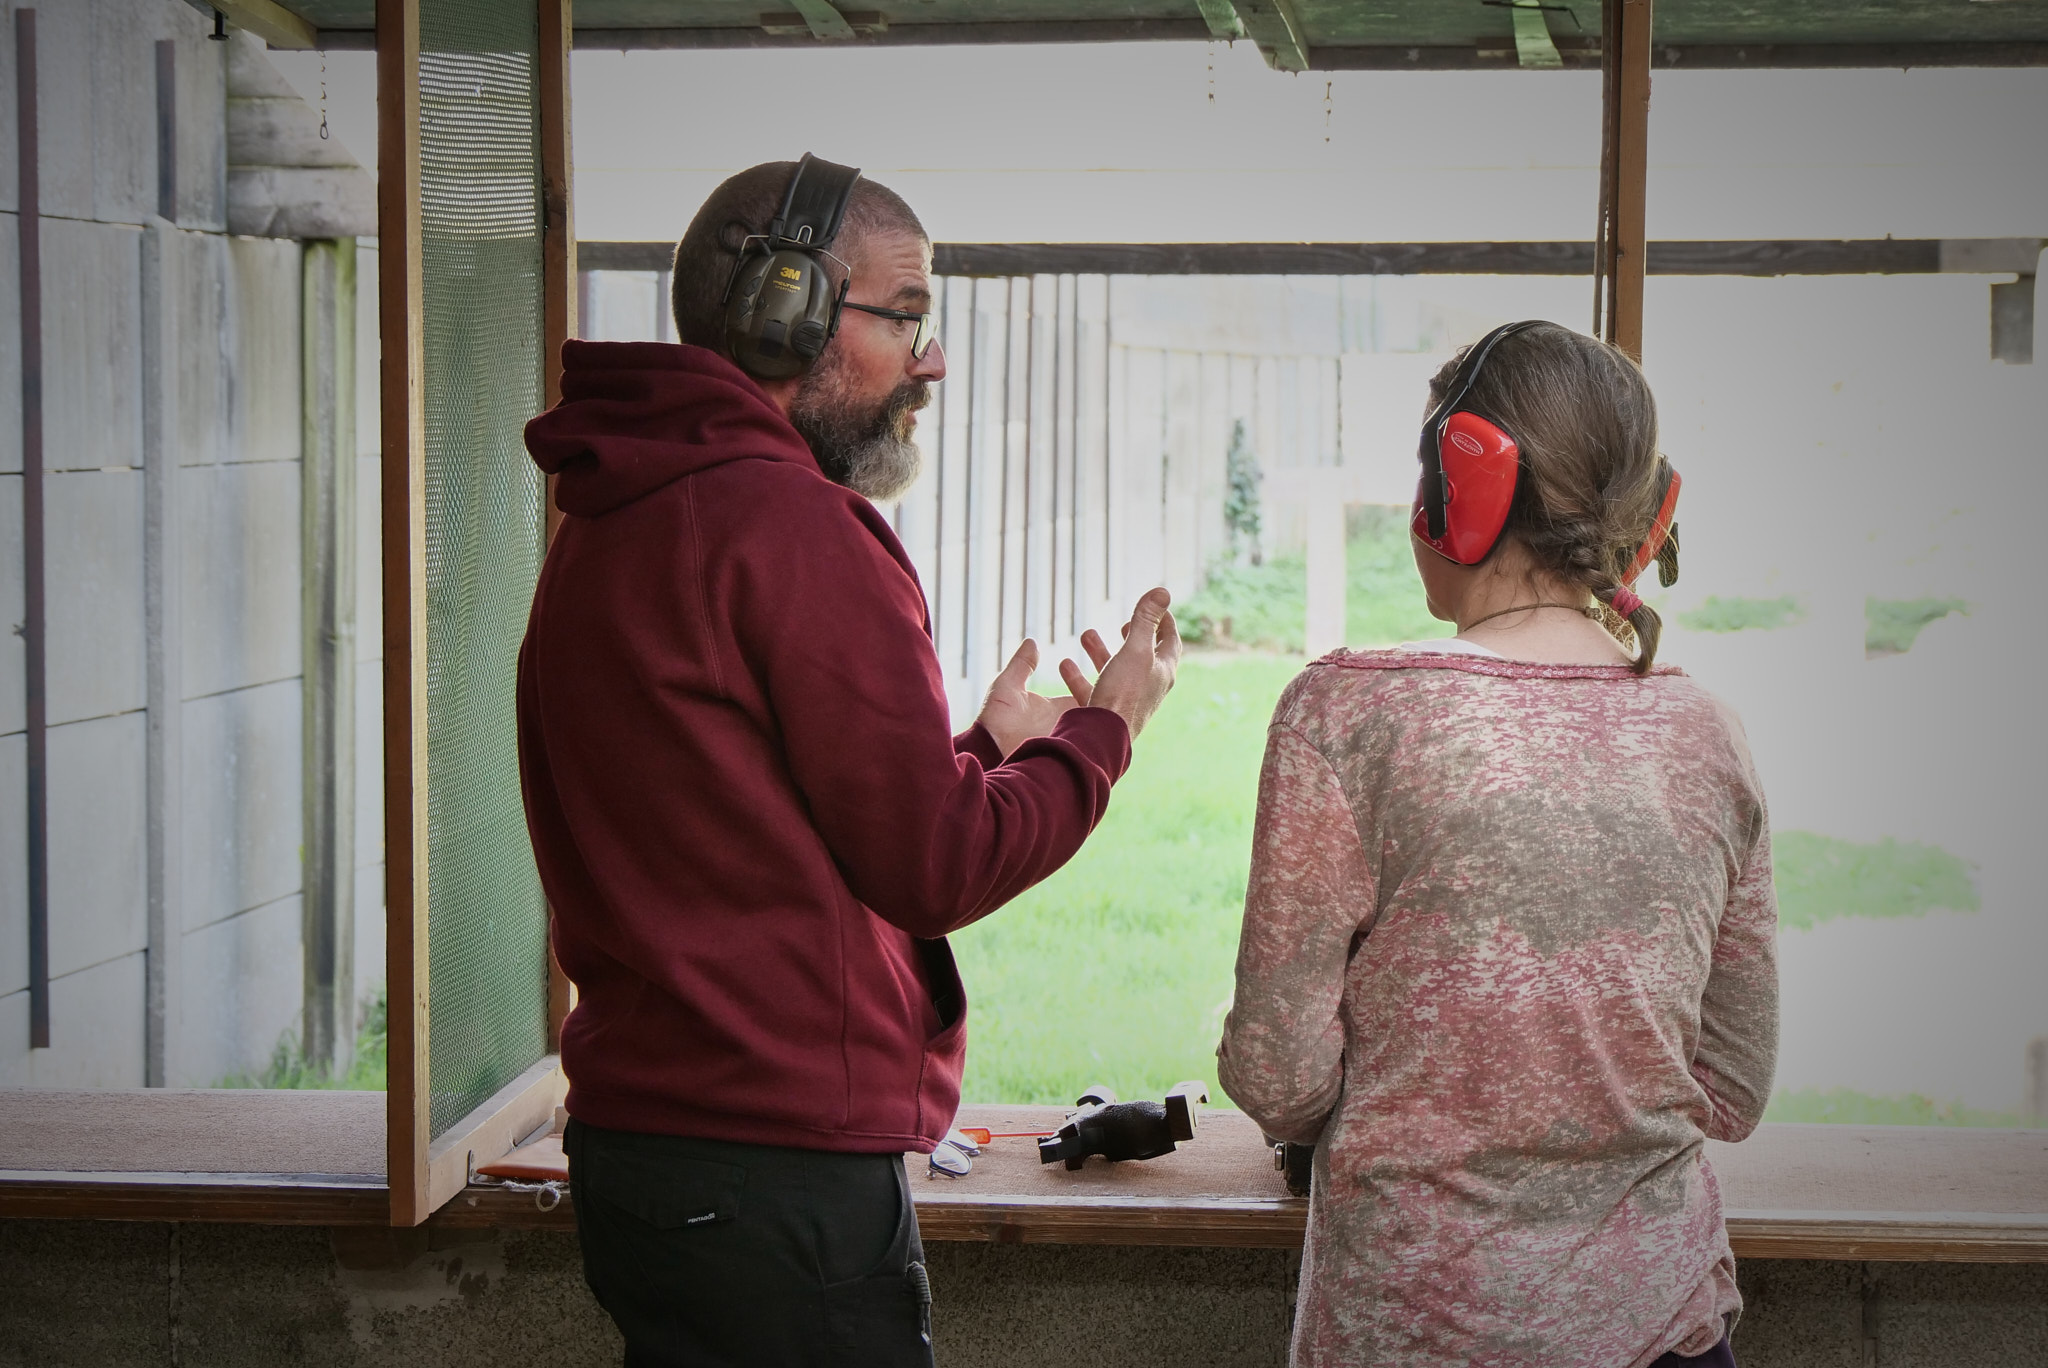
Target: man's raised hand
{"x":1135,"y":680}
{"x":1013,"y":714}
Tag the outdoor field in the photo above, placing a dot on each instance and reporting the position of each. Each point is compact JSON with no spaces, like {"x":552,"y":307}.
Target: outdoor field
{"x":1117,"y":970}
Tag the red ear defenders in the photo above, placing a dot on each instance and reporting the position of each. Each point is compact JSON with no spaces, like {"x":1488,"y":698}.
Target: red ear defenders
{"x":1471,"y":466}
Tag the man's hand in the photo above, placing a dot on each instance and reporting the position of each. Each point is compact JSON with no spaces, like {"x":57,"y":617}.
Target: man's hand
{"x":1013,"y":714}
{"x":1135,"y":681}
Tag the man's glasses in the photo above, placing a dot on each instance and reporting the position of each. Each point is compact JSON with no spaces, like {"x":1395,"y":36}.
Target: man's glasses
{"x":927,"y":325}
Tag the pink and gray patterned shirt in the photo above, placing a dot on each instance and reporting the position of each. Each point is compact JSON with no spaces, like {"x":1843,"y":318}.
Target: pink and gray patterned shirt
{"x":1508,"y":955}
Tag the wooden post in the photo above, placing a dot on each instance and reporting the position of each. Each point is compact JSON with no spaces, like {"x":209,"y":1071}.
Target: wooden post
{"x":1620,"y":251}
{"x":560,"y":285}
{"x":405,"y":603}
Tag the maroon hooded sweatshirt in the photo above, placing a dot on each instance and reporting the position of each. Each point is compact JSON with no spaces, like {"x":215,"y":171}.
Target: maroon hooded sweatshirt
{"x":749,"y":816}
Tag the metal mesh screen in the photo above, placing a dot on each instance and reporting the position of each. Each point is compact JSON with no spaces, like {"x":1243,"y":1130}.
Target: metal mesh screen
{"x":481,"y":263}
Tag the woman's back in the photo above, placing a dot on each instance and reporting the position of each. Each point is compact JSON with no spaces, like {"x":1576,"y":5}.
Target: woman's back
{"x":1510,"y":930}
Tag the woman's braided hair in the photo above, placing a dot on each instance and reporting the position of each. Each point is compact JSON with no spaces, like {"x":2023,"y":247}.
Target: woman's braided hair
{"x":1590,"y":486}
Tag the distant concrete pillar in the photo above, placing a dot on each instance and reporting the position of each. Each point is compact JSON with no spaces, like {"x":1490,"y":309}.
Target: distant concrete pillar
{"x":162,"y":558}
{"x":327,"y":532}
{"x":1324,"y":631}
{"x":2037,"y":1080}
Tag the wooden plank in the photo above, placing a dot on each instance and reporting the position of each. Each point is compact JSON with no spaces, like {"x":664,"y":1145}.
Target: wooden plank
{"x":241,"y":1199}
{"x":1753,"y":257}
{"x":405,"y":604}
{"x":1012,"y":547}
{"x":1180,"y":567}
{"x":1276,"y":28}
{"x":1193,"y":29}
{"x":221,"y":1130}
{"x":1578,"y":54}
{"x":1792,"y":1191}
{"x":1041,"y":483}
{"x":951,"y":584}
{"x":508,"y":1116}
{"x":270,"y":21}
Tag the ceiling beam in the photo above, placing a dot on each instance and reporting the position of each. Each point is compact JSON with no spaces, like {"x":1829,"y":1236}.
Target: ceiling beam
{"x":1221,"y":17}
{"x":825,"y":21}
{"x":1738,"y":257}
{"x":268,"y":20}
{"x":1276,"y":28}
{"x":1579,"y":53}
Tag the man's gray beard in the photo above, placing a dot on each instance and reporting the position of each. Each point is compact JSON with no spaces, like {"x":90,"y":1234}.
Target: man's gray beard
{"x":868,"y":453}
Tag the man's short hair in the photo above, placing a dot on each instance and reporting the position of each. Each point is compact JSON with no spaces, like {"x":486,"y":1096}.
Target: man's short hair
{"x":744,"y":205}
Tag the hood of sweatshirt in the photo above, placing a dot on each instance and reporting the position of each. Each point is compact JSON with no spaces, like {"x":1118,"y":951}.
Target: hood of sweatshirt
{"x":636,"y":416}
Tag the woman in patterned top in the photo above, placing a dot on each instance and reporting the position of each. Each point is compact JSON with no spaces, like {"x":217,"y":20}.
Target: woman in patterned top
{"x":1508,"y":948}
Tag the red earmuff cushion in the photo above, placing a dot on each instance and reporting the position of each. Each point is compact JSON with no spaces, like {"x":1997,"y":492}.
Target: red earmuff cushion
{"x":1480,"y":462}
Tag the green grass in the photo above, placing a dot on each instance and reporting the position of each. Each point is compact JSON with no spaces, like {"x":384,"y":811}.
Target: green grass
{"x":289,"y":1067}
{"x":1821,"y":878}
{"x":1117,"y":970}
{"x":1847,"y":1107}
{"x":1265,"y":607}
{"x":1890,"y":626}
{"x":1719,"y":614}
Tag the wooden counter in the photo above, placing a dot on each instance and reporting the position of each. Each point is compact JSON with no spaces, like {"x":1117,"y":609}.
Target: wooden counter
{"x":1791,"y":1191}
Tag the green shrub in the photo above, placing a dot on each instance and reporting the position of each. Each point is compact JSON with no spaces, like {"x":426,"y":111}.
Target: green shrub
{"x":1719,"y":614}
{"x":1890,"y":626}
{"x":289,"y":1067}
{"x":1265,"y":606}
{"x":1847,"y":1107}
{"x":1820,"y":878}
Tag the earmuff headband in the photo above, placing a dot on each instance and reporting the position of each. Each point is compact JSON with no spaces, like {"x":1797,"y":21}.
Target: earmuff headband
{"x":780,"y":307}
{"x":814,"y":205}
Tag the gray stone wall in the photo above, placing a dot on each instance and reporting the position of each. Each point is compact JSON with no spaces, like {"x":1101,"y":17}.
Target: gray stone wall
{"x":172,"y":449}
{"x":109,"y":1294}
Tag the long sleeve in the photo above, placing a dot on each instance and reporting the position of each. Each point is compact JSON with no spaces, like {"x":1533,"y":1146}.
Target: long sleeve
{"x":1311,"y":893}
{"x":929,"y":830}
{"x":1738,"y":1042}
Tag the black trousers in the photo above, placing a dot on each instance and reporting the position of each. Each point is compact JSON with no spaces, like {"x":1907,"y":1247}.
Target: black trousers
{"x":708,"y":1253}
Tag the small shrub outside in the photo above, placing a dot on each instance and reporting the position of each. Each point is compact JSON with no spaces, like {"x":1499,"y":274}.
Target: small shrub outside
{"x":1719,"y":614}
{"x":1891,"y":626}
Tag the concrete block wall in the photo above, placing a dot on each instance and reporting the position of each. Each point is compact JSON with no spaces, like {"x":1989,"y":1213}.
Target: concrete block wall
{"x":112,"y":1294}
{"x":222,"y":440}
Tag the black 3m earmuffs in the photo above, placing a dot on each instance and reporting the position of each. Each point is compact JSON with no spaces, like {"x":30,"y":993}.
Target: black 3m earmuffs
{"x":780,"y":306}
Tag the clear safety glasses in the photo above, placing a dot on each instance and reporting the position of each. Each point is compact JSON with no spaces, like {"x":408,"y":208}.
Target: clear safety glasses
{"x":927,"y":325}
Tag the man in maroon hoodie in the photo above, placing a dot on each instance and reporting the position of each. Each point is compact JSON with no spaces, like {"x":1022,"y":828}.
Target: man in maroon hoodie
{"x":750,"y":818}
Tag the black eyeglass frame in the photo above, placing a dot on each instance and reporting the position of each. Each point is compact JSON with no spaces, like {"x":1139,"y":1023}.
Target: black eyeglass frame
{"x":927,"y":324}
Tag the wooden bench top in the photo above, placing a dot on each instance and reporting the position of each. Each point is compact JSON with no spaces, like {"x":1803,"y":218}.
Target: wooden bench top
{"x":1791,"y":1191}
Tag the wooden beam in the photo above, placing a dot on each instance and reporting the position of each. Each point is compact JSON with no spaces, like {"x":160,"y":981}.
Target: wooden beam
{"x":1192,"y":29}
{"x":1753,"y":257}
{"x":1276,"y":28}
{"x":1630,"y":121}
{"x":823,"y":20}
{"x":560,"y":294}
{"x":270,"y":21}
{"x":405,"y":604}
{"x":1221,"y":17}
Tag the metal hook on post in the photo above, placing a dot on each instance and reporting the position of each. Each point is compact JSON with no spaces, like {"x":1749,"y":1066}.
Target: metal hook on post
{"x":220,"y":28}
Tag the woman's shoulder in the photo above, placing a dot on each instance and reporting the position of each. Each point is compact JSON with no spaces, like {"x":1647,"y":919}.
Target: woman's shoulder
{"x":1344,"y":687}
